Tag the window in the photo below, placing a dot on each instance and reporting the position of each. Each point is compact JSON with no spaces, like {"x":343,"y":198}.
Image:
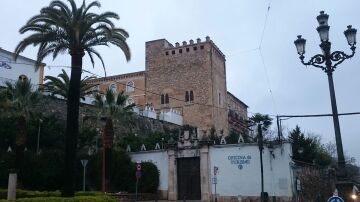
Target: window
{"x":164,"y":99}
{"x":187,"y":49}
{"x":195,"y":48}
{"x":219,"y":99}
{"x":189,"y":96}
{"x":23,"y":77}
{"x":173,"y":52}
{"x":112,"y":87}
{"x":201,"y":47}
{"x":130,"y":101}
{"x":130,"y":86}
{"x":166,"y":53}
{"x":95,"y":90}
{"x":180,"y":50}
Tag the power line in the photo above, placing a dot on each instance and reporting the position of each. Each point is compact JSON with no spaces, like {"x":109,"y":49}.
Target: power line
{"x":265,"y":23}
{"x":317,"y":115}
{"x":268,"y":81}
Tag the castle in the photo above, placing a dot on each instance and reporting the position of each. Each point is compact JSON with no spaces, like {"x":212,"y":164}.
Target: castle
{"x":189,"y":79}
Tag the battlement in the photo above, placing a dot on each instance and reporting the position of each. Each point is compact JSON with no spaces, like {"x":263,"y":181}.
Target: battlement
{"x":185,"y":47}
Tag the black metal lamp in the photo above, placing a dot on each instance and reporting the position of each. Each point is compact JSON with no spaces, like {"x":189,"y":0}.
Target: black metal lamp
{"x":323,"y":28}
{"x":323,"y":31}
{"x":323,"y":18}
{"x":350,"y":35}
{"x":300,"y":45}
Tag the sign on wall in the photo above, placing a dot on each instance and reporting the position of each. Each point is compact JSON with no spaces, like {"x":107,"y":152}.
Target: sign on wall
{"x":240,"y":161}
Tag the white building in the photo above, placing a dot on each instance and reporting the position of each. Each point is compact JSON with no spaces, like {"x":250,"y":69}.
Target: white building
{"x":187,"y":170}
{"x":23,"y":67}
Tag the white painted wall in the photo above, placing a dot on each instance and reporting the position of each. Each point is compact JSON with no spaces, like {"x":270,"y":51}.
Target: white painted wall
{"x":21,"y":66}
{"x":172,"y":116}
{"x":246,"y":181}
{"x":160,"y":159}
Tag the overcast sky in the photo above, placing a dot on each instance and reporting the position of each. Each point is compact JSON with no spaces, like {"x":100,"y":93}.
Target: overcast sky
{"x":236,"y":27}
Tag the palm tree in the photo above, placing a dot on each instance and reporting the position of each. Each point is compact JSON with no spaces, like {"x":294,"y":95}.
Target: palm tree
{"x":60,"y":86}
{"x":111,"y":106}
{"x":60,"y":28}
{"x":258,"y":118}
{"x":20,"y":100}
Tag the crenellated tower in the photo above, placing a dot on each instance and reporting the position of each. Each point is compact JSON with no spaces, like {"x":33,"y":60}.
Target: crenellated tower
{"x":189,"y":77}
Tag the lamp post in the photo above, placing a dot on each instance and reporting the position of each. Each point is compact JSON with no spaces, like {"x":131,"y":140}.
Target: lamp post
{"x":261,"y":148}
{"x":38,"y":137}
{"x":330,"y":60}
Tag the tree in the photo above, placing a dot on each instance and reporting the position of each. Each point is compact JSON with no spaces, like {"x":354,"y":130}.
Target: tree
{"x":308,"y":149}
{"x":113,"y":106}
{"x":60,"y":28}
{"x":60,"y":86}
{"x":20,"y":99}
{"x":264,"y":119}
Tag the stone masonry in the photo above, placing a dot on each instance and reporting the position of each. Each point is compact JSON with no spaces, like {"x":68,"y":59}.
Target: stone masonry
{"x":197,"y":67}
{"x":173,"y":70}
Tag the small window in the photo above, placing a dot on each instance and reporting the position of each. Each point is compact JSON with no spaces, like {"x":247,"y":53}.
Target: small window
{"x":201,"y":47}
{"x":195,"y":48}
{"x":23,"y":77}
{"x":95,"y":90}
{"x":130,"y":86}
{"x":113,"y":88}
{"x":166,"y":53}
{"x":162,"y":99}
{"x":219,"y":99}
{"x":189,"y":96}
{"x":187,"y":49}
{"x":130,"y":101}
{"x":173,"y":52}
{"x":166,"y":98}
{"x":180,"y":50}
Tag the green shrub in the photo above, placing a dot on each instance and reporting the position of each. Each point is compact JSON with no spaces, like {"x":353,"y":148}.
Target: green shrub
{"x":29,"y":194}
{"x":99,"y":198}
{"x":149,"y":181}
{"x":39,"y":194}
{"x":121,"y":174}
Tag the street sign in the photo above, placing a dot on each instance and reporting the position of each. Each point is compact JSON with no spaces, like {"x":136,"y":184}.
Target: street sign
{"x":214,"y":180}
{"x":298,"y":185}
{"x":335,"y":199}
{"x":84,"y":162}
{"x":216,"y":170}
{"x":138,"y":166}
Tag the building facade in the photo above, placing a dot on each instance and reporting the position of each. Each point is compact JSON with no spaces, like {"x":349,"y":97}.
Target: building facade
{"x":22,"y":68}
{"x":190,"y":79}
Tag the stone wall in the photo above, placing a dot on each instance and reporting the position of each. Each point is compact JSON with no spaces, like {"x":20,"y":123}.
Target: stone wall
{"x":196,"y":67}
{"x":141,"y":126}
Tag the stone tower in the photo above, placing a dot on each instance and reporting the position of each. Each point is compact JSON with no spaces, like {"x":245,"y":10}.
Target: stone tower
{"x":190,"y":78}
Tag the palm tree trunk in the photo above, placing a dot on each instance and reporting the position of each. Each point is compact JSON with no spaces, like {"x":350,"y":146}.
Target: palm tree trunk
{"x":109,"y":138}
{"x":72,"y":124}
{"x":20,"y":143}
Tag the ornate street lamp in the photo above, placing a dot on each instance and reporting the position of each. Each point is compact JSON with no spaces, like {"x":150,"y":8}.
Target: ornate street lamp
{"x":330,"y":60}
